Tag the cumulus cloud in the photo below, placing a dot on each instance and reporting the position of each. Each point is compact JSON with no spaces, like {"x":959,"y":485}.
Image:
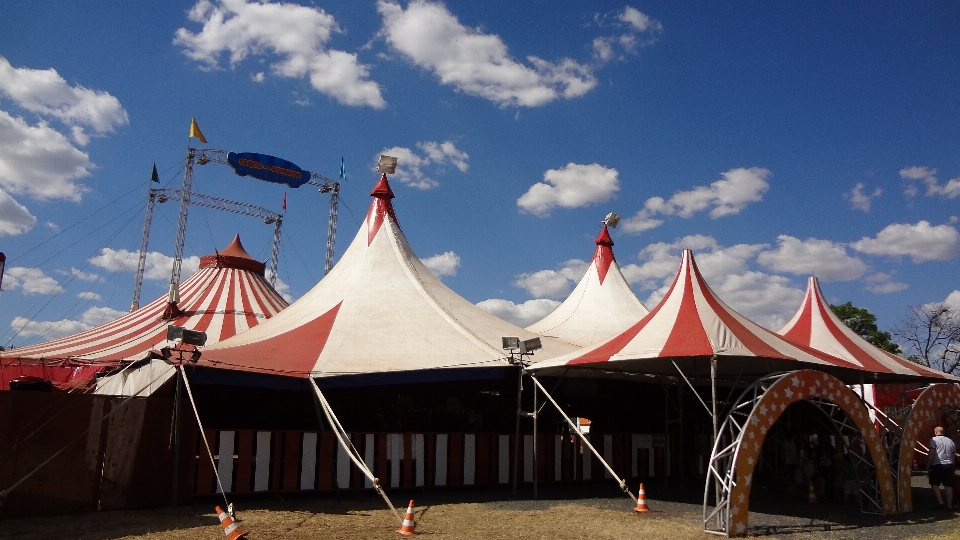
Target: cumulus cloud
{"x":638,"y":30}
{"x":157,"y":267}
{"x":553,"y":283}
{"x":571,"y":186}
{"x":521,"y":315}
{"x":411,"y":165}
{"x":92,"y":317}
{"x":89,"y":295}
{"x":14,"y":217}
{"x":81,"y":275}
{"x":822,"y":258}
{"x":296,"y":36}
{"x":726,"y":196}
{"x":860,"y":200}
{"x":882,"y":283}
{"x":282,"y":288}
{"x":922,"y":242}
{"x":30,"y":281}
{"x":768,"y":299}
{"x":45,"y":92}
{"x":444,"y":264}
{"x":39,"y":161}
{"x":953,"y":300}
{"x":476,"y":63}
{"x":928,"y":177}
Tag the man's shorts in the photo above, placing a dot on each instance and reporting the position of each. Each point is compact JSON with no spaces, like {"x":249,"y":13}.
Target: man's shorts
{"x":941,"y":475}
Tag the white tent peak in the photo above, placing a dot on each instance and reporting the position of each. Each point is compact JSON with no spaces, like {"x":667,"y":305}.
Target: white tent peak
{"x":601,"y":305}
{"x":378,"y":310}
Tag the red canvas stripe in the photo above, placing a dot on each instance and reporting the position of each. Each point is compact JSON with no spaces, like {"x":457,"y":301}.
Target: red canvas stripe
{"x":801,"y":330}
{"x":687,"y":337}
{"x":248,"y":313}
{"x":293,"y":352}
{"x":603,"y":256}
{"x":604,"y":352}
{"x":229,"y":325}
{"x":867,"y":361}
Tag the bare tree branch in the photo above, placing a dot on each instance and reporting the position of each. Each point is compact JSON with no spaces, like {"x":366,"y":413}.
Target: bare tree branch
{"x":932,"y":335}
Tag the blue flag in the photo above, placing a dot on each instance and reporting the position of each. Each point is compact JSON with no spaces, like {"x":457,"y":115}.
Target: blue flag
{"x":343,"y":173}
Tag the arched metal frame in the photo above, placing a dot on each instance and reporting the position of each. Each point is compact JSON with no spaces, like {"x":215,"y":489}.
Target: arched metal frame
{"x":935,"y":404}
{"x":740,"y":440}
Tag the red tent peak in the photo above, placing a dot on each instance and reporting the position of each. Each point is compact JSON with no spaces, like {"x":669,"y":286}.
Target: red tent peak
{"x":603,"y":239}
{"x":382,"y":189}
{"x":235,"y":249}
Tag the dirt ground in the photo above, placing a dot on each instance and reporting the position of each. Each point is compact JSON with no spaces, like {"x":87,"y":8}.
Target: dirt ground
{"x":595,"y":512}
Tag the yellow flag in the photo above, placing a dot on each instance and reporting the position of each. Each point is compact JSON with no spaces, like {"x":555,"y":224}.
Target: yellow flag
{"x":195,"y":131}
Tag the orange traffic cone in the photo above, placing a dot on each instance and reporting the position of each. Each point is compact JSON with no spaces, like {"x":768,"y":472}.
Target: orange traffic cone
{"x":230,"y":529}
{"x":812,"y":495}
{"x":408,"y":523}
{"x":641,"y":501}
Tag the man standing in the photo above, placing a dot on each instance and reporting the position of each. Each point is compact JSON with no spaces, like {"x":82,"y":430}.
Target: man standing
{"x":940,"y":466}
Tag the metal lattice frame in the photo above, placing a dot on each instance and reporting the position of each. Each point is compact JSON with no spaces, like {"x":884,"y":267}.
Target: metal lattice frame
{"x":936,"y":403}
{"x":740,"y":439}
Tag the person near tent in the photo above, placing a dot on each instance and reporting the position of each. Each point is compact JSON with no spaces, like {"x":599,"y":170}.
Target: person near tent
{"x":940,"y":466}
{"x":851,"y":486}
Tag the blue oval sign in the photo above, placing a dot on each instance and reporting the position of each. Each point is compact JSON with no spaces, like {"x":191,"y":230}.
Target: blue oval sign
{"x":268,"y":168}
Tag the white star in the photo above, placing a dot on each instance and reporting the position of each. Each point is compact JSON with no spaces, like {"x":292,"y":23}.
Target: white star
{"x":740,"y":528}
{"x":795,"y":381}
{"x":762,"y":409}
{"x":789,"y":393}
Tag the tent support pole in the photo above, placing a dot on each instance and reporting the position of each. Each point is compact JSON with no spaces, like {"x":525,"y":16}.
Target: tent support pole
{"x":176,"y":441}
{"x":196,"y":413}
{"x":516,"y":437}
{"x":694,"y":390}
{"x":623,"y":483}
{"x":713,"y":392}
{"x":535,"y":414}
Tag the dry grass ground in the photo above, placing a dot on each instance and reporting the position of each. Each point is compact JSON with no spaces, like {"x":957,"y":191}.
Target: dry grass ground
{"x":559,"y":514}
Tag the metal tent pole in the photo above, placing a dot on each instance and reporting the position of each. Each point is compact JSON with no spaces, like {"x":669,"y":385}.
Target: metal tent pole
{"x":516,"y":437}
{"x":535,"y":414}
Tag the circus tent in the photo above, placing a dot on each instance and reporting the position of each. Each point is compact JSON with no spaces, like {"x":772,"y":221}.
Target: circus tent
{"x":601,"y":306}
{"x":817,"y":326}
{"x":690,"y":326}
{"x":379,"y":310}
{"x":226,"y":296}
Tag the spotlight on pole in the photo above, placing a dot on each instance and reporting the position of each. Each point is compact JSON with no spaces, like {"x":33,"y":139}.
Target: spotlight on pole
{"x":387,"y":164}
{"x":612,"y":219}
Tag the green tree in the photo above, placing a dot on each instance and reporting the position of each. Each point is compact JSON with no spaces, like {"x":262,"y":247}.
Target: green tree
{"x":864,"y":323}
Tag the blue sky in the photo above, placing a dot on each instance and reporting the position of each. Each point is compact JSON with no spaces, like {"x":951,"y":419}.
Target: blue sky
{"x":776,"y":140}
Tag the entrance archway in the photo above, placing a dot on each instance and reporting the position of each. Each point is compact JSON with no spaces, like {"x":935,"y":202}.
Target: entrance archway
{"x":927,"y":412}
{"x":740,"y":440}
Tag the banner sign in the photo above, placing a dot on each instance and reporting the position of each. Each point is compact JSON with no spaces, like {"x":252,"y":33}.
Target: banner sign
{"x":268,"y":168}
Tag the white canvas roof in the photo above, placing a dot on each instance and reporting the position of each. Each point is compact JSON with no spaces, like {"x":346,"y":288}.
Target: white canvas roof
{"x":816,"y":325}
{"x":378,"y":310}
{"x":601,"y":306}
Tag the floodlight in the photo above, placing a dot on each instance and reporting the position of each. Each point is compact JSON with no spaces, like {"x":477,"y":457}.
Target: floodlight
{"x":612,"y":220}
{"x":511,"y":343}
{"x":387,"y":164}
{"x":195,"y":356}
{"x":194,"y":337}
{"x":165,"y":353}
{"x":174,"y":333}
{"x":530,"y":345}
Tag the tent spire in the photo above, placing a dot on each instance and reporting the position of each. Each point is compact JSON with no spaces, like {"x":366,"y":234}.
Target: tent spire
{"x":380,"y":207}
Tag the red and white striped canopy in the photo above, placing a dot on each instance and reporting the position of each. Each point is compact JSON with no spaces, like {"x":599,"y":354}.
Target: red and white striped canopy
{"x":601,"y":306}
{"x":817,"y":326}
{"x":226,"y":296}
{"x":378,"y":310}
{"x":689,"y":326}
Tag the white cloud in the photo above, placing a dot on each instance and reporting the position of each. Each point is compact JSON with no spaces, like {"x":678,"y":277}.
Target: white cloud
{"x":297,"y":34}
{"x":726,"y":196}
{"x":822,"y":258}
{"x":45,"y":92}
{"x":521,"y":315}
{"x":14,"y":217}
{"x":258,"y":77}
{"x":475,"y":63}
{"x":30,"y":281}
{"x":639,"y":30}
{"x":282,"y":288}
{"x":953,"y":300}
{"x":84,"y":276}
{"x":928,"y":176}
{"x":444,"y":264}
{"x":553,"y":283}
{"x":881,"y":283}
{"x":94,"y":316}
{"x":571,"y":186}
{"x":922,"y":242}
{"x":39,"y":161}
{"x":411,"y":165}
{"x":768,"y":299}
{"x":89,"y":295}
{"x":860,"y":200}
{"x":157,"y":267}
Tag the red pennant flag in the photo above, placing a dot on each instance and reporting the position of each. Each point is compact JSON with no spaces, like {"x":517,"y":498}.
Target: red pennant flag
{"x":284,"y":202}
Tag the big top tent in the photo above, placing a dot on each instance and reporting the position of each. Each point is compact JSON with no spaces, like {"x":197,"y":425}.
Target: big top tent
{"x":601,"y":306}
{"x":816,"y":325}
{"x":226,"y":296}
{"x":379,"y":310}
{"x":689,"y":327}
